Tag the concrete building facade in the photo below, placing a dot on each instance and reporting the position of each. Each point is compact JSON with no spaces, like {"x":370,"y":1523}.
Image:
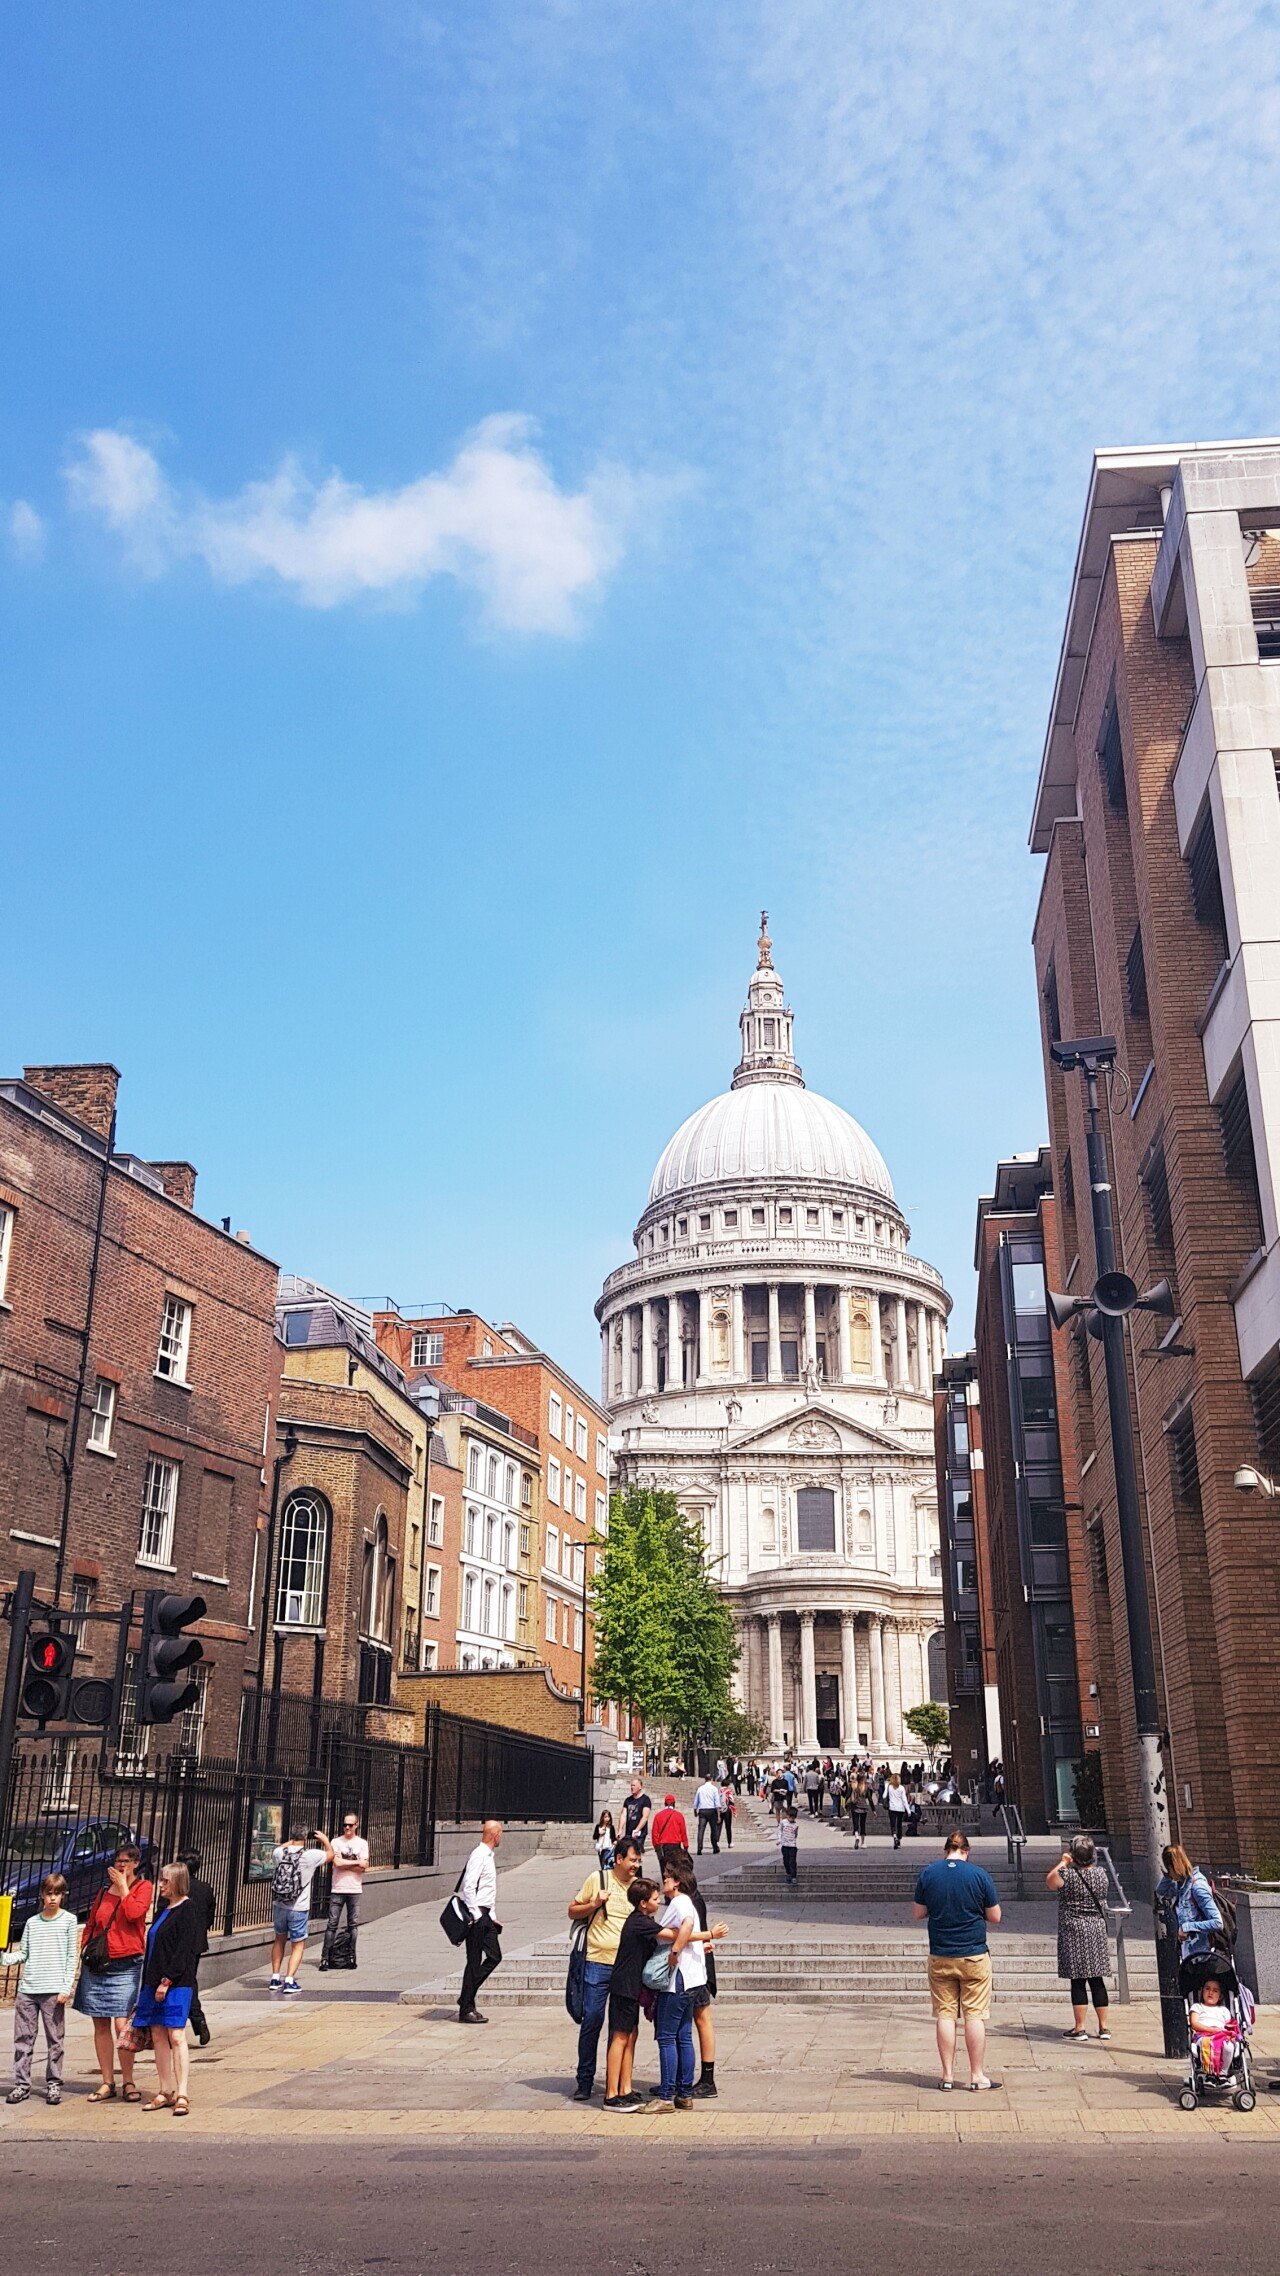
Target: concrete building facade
{"x":967,"y":1606}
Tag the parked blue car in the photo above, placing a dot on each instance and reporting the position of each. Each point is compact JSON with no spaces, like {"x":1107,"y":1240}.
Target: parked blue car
{"x":79,"y":1848}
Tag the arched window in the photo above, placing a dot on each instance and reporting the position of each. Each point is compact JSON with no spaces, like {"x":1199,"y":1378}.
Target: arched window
{"x":473,"y":1467}
{"x":509,"y":1548}
{"x":304,"y":1562}
{"x":491,"y":1536}
{"x":377,"y":1595}
{"x":488,"y":1624}
{"x":513,"y":1486}
{"x":469,"y":1601}
{"x":509,"y":1614}
{"x":472,"y":1522}
{"x":493,"y":1477}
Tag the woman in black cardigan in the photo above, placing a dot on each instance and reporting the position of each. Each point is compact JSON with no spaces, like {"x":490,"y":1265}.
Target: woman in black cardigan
{"x":174,"y":1945}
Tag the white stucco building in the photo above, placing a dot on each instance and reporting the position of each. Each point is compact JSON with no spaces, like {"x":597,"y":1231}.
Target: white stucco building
{"x":768,"y":1355}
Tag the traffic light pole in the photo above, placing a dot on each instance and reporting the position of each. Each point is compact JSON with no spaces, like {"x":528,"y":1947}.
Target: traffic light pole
{"x":20,"y":1605}
{"x":1153,"y":1799}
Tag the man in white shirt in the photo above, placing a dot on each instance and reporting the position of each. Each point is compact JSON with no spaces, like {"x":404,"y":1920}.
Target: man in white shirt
{"x":706,"y":1808}
{"x":350,"y":1864}
{"x":478,"y":1892}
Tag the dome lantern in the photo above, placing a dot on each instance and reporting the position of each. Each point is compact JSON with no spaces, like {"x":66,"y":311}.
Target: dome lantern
{"x":766,"y":1022}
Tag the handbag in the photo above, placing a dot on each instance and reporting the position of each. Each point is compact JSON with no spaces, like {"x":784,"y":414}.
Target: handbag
{"x":656,"y":1974}
{"x":455,"y":1920}
{"x":137,"y":2038}
{"x":575,"y":1982}
{"x":96,"y":1957}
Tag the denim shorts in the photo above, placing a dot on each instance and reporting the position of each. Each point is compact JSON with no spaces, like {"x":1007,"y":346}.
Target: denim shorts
{"x":291,"y":1921}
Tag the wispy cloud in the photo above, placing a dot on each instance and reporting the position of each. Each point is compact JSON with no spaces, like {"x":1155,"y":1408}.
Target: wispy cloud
{"x":494,"y":519}
{"x":26,"y":530}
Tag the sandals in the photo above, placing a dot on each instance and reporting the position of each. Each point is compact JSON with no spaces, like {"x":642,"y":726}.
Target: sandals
{"x":129,"y":2092}
{"x":985,"y":2085}
{"x":181,"y":2106}
{"x":105,"y":2093}
{"x":159,"y":2102}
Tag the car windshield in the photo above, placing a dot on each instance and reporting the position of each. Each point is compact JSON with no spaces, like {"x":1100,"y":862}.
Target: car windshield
{"x":38,"y":1841}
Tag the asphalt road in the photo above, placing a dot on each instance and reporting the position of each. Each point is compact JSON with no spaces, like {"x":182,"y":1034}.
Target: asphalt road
{"x":328,"y":2207}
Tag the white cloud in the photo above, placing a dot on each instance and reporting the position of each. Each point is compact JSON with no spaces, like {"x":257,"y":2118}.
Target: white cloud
{"x":494,"y":519}
{"x":26,"y":530}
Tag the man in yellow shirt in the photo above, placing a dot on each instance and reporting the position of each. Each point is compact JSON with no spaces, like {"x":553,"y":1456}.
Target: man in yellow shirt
{"x":602,"y":1903}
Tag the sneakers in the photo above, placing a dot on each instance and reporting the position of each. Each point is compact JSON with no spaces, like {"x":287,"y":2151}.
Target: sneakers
{"x":705,"y":2089}
{"x":684,"y":2102}
{"x":275,"y":1983}
{"x":53,"y":2096}
{"x":624,"y":2104}
{"x":1102,"y":2035}
{"x":583,"y":2093}
{"x":19,"y":2094}
{"x":291,"y":1984}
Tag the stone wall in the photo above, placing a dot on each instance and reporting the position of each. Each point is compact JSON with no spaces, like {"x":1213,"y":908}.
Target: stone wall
{"x":522,"y":1699}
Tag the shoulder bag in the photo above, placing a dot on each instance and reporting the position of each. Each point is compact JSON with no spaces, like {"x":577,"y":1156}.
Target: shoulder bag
{"x":575,"y":1982}
{"x":96,"y":1957}
{"x":455,"y":1920}
{"x":657,"y":1974}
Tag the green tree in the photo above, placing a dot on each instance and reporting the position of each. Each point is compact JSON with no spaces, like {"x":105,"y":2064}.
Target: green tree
{"x":664,"y":1642}
{"x":931,"y":1724}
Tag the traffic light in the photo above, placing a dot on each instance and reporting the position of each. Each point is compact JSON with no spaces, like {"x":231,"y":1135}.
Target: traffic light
{"x":165,"y":1652}
{"x":46,"y":1687}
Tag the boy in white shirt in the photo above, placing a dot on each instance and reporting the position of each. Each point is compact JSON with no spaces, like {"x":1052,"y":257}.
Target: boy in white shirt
{"x":49,"y":1954}
{"x":350,"y":1864}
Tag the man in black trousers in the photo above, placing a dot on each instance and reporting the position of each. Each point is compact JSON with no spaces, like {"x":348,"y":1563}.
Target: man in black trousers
{"x":203,"y":1903}
{"x":478,"y":1891}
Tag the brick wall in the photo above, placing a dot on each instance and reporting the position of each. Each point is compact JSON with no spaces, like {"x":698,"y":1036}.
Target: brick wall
{"x":521,"y":1699}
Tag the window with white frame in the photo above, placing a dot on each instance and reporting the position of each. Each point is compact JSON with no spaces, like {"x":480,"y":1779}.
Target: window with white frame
{"x":6,"y":1244}
{"x":472,"y":1527}
{"x":509,"y":1547}
{"x":602,"y":1455}
{"x":494,"y":1467}
{"x":526,"y":1539}
{"x":427,"y":1348}
{"x":553,"y":1480}
{"x":579,"y":1563}
{"x":577,"y":1631}
{"x":102,"y":1416}
{"x":429,"y":1655}
{"x":580,"y":1499}
{"x":159,"y":1503}
{"x":431,"y":1592}
{"x":555,"y":1410}
{"x":567,"y":1496}
{"x":602,"y":1512}
{"x":175,"y":1339}
{"x":131,"y":1745}
{"x":81,"y":1602}
{"x":191,"y":1726}
{"x":568,"y":1427}
{"x":509,"y":1615}
{"x":435,"y":1523}
{"x":473,"y":1467}
{"x":304,"y":1555}
{"x":566,"y":1557}
{"x":415,"y":1539}
{"x":469,"y":1601}
{"x":580,"y":1440}
{"x":491,"y":1537}
{"x":513,"y":1486}
{"x":526,"y":1490}
{"x":522,"y":1601}
{"x":490,"y":1599}
{"x":552,"y":1557}
{"x":551,"y":1620}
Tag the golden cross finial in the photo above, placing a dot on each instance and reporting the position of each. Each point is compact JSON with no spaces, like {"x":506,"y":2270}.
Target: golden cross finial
{"x":765,"y":944}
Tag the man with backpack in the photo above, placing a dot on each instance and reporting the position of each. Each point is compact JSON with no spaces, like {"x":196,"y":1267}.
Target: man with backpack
{"x":295,"y":1865}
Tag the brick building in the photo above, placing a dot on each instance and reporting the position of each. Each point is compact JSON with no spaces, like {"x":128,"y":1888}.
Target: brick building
{"x":1159,"y":925}
{"x":552,"y":1416}
{"x":968,"y":1611}
{"x":179,"y":1381}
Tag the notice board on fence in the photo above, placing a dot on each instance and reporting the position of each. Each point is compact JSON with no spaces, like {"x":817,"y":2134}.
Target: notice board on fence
{"x":266,"y":1832}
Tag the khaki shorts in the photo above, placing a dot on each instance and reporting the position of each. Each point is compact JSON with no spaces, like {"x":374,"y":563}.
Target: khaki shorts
{"x":960,"y":1986}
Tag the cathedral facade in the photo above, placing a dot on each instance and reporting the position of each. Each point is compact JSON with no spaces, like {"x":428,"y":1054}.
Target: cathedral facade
{"x":768,"y":1355}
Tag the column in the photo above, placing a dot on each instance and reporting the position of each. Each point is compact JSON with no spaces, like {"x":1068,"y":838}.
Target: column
{"x":877,"y":1332}
{"x":877,"y":1684}
{"x":774,"y":1624}
{"x":892,"y":1683}
{"x":848,"y":1685}
{"x":703,"y":1374}
{"x":900,"y":1311}
{"x":810,"y":1322}
{"x":675,"y":1356}
{"x":739,"y":1335}
{"x":808,"y":1738}
{"x":844,"y":1340}
{"x":924,"y":1346}
{"x":648,"y":1345}
{"x":939,"y":1342}
{"x":775,"y":1339}
{"x":630,"y":1379}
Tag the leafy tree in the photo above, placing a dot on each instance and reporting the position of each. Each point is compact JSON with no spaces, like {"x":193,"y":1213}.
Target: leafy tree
{"x":664,"y":1642}
{"x":1087,"y":1787}
{"x":931,"y":1724}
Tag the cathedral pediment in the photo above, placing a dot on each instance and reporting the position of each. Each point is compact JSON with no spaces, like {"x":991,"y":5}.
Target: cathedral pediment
{"x":819,"y":1429}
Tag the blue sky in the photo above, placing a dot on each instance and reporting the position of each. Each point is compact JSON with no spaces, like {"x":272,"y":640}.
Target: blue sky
{"x":493,"y":494}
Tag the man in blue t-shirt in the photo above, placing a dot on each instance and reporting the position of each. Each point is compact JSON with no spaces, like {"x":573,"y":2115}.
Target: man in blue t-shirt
{"x":958,"y":1899}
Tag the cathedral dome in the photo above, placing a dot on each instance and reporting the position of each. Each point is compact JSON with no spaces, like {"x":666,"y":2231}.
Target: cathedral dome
{"x":769,"y":1130}
{"x":767,"y":1125}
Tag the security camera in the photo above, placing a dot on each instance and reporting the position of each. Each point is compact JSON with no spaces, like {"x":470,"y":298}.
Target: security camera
{"x":1250,"y":1481}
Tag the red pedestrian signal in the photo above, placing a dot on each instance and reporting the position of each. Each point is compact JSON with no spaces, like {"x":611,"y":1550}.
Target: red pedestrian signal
{"x":46,"y":1689}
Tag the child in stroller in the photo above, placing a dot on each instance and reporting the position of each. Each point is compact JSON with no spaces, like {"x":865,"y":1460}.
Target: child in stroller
{"x":1220,"y":2013}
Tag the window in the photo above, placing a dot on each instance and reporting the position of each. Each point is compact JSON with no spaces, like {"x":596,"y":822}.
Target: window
{"x":567,"y":1496}
{"x":297,"y":1328}
{"x":566,"y":1558}
{"x":435,"y":1523}
{"x":1237,"y":1149}
{"x":469,"y":1601}
{"x":304,"y":1550}
{"x":488,"y":1348}
{"x":430,"y":1654}
{"x":579,"y":1564}
{"x":704,"y":1223}
{"x":6,"y":1245}
{"x":602,"y":1455}
{"x":790,"y":1359}
{"x":759,"y":1360}
{"x":415,"y":1536}
{"x":513,"y":1486}
{"x":602,"y":1513}
{"x":553,"y":1480}
{"x":682,"y":1226}
{"x":522,"y":1601}
{"x":1206,"y":882}
{"x":102,"y":1416}
{"x":1052,"y":1009}
{"x":508,"y":1628}
{"x":491,"y":1537}
{"x":784,"y":1216}
{"x":730,"y":1218}
{"x":159,"y":1502}
{"x":568,"y":1428}
{"x":494,"y":1468}
{"x":526,"y":1540}
{"x":509,"y":1547}
{"x":81,"y":1602}
{"x":473,"y":1468}
{"x":757,"y":1216}
{"x":1111,"y":758}
{"x":431,"y":1592}
{"x":175,"y":1340}
{"x":526,"y":1490}
{"x":1183,"y":1461}
{"x":1264,"y":1391}
{"x":468,"y":1662}
{"x":470,"y":1531}
{"x":554,"y":1412}
{"x":552,"y":1553}
{"x":427,"y":1348}
{"x":131,"y":1747}
{"x":577,"y":1631}
{"x":580,"y":1437}
{"x":551,"y":1620}
{"x":488,"y":1617}
{"x":1135,"y":977}
{"x":837,"y":1216}
{"x":191,"y":1724}
{"x":815,"y":1519}
{"x":811,"y":1216}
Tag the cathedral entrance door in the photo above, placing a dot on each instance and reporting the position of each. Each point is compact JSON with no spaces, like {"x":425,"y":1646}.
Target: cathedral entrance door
{"x":828,"y":1712}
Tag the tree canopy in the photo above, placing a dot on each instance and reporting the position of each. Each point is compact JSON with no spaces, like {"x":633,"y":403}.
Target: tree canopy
{"x":664,"y":1641}
{"x":931,"y":1724}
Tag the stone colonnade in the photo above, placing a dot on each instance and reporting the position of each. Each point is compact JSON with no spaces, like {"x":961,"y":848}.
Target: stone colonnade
{"x":682,"y":1339}
{"x":883,"y":1669}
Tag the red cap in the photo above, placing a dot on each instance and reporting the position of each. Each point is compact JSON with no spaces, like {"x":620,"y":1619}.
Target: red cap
{"x":668,"y":1801}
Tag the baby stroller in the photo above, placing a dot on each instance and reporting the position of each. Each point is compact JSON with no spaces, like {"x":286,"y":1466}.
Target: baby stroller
{"x":1229,"y":2069}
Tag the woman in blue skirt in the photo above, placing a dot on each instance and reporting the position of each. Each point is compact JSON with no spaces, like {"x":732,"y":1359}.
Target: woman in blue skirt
{"x":168,"y":1980}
